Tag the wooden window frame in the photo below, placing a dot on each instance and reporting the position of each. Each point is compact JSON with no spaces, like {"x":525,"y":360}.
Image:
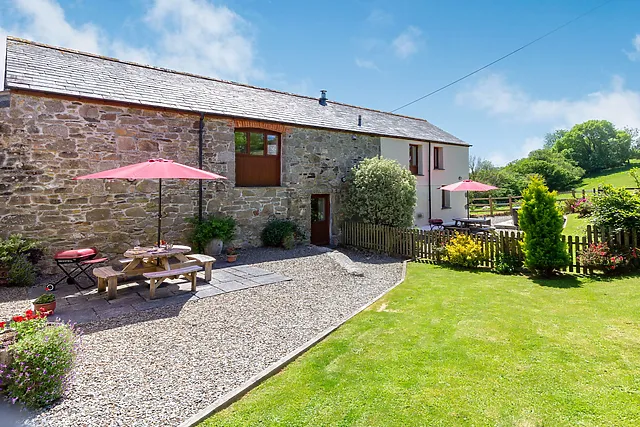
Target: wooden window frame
{"x":414,"y":169}
{"x":438,"y":160}
{"x":446,"y":205}
{"x":247,"y":153}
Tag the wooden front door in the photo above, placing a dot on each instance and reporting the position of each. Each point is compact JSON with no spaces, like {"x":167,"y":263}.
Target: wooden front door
{"x":320,"y":219}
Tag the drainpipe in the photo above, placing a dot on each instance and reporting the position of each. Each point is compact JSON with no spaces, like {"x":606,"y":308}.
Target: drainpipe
{"x":200,"y":143}
{"x":429,"y":179}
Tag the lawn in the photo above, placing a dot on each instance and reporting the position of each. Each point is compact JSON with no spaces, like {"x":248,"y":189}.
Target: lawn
{"x":575,"y":226}
{"x":618,"y":177}
{"x":456,"y":348}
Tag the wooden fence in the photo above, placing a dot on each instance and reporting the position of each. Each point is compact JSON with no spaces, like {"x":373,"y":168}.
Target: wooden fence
{"x":423,"y":244}
{"x":492,"y":206}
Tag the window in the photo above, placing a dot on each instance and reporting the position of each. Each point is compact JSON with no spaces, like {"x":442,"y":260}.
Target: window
{"x":413,"y":158}
{"x":446,"y":199}
{"x":257,"y":158}
{"x":438,"y":158}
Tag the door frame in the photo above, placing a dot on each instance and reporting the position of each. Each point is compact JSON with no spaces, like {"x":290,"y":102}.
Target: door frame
{"x":327,"y":210}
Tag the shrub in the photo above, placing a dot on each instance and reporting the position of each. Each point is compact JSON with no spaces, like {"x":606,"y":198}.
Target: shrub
{"x":380,"y":191}
{"x":569,"y":205}
{"x":45,"y":298}
{"x":583,"y":207}
{"x":211,"y":227}
{"x":21,"y":272}
{"x":41,"y":367}
{"x":16,"y":245}
{"x":542,"y":224}
{"x":507,"y":263}
{"x":28,"y":323}
{"x":616,"y":208}
{"x":464,"y":251}
{"x":635,"y":174}
{"x":279,"y":232}
{"x":601,"y":257}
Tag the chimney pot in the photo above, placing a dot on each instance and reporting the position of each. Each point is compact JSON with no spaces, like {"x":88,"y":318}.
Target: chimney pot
{"x":323,"y":97}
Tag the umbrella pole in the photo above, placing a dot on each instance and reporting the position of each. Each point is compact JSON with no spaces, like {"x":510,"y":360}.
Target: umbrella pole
{"x":468,"y":215}
{"x":159,"y":208}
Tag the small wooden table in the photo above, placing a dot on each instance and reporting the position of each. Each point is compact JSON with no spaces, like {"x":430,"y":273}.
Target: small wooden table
{"x":149,"y":259}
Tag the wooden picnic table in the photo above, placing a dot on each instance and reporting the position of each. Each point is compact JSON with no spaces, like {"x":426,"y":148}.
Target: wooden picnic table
{"x":471,"y":222}
{"x":149,"y":259}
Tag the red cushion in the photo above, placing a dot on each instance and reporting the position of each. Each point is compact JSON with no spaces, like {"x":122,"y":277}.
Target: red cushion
{"x":76,"y":253}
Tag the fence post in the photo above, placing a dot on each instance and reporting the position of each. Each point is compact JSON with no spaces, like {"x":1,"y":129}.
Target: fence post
{"x":510,"y":204}
{"x":490,"y":206}
{"x":573,"y":193}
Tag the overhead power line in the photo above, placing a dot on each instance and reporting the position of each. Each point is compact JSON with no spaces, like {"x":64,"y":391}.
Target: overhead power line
{"x":505,"y":56}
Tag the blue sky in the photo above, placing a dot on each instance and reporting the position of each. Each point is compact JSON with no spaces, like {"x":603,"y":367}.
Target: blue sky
{"x":381,"y":54}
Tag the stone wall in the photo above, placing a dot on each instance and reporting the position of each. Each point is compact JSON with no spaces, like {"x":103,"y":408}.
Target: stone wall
{"x":45,"y":141}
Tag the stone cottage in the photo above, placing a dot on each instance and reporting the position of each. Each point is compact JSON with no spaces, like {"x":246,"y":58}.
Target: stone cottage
{"x":66,"y":113}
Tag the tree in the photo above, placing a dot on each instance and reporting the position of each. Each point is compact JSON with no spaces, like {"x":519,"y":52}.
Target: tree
{"x":558,"y":172}
{"x":478,"y":165}
{"x":595,"y":145}
{"x":551,"y":138}
{"x":542,"y":224}
{"x":380,"y":191}
{"x":616,"y":208}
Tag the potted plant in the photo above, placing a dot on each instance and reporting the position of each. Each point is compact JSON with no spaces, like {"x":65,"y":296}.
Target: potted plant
{"x":45,"y":303}
{"x":210,"y":233}
{"x":232,"y":254}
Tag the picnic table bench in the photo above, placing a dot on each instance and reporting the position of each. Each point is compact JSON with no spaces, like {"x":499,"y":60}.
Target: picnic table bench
{"x":108,"y":276}
{"x":157,"y":277}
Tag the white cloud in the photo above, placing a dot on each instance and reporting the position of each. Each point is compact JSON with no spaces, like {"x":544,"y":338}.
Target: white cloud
{"x":197,"y":36}
{"x":495,"y":95}
{"x":502,"y":157}
{"x":364,"y":63}
{"x":408,"y":42}
{"x":634,"y":55}
{"x":191,"y":35}
{"x":379,"y":17}
{"x":530,"y":144}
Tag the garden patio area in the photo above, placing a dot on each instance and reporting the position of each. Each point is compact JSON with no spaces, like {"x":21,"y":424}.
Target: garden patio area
{"x":452,"y":347}
{"x":158,"y":367}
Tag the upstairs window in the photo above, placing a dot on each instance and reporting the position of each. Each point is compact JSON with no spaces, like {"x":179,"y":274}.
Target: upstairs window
{"x":438,"y":158}
{"x":257,"y":158}
{"x":413,"y":158}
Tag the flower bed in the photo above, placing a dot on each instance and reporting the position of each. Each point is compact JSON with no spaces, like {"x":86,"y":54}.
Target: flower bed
{"x":36,"y":358}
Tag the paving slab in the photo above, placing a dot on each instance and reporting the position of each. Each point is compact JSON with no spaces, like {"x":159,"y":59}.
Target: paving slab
{"x":86,"y":305}
{"x":116,"y":311}
{"x":269,"y":279}
{"x":224,"y":276}
{"x":205,"y":293}
{"x":252,"y":271}
{"x":234,"y":286}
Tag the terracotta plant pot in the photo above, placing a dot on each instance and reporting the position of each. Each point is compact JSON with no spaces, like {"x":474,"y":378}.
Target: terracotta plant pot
{"x":48,"y":307}
{"x":232,"y":258}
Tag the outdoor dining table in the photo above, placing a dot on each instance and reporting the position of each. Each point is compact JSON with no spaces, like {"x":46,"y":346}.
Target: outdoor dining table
{"x":471,"y":222}
{"x":147,"y":259}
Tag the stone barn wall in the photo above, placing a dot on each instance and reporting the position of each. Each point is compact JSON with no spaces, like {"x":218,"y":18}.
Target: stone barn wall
{"x":46,"y":140}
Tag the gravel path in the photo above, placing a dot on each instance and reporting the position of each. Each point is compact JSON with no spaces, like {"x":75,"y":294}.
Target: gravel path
{"x":159,"y":367}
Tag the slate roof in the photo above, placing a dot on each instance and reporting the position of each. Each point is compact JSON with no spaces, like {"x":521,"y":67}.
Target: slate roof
{"x":39,"y":67}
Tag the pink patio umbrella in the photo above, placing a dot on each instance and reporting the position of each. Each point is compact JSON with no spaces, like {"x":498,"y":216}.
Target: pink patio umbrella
{"x":154,"y":169}
{"x":466,"y":186}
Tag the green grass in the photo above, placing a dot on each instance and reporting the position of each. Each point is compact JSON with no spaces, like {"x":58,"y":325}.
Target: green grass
{"x":456,"y":348}
{"x":618,"y":177}
{"x":576,"y":226}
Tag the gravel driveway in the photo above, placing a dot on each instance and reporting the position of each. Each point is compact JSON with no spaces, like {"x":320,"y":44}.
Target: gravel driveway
{"x":159,"y":367}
